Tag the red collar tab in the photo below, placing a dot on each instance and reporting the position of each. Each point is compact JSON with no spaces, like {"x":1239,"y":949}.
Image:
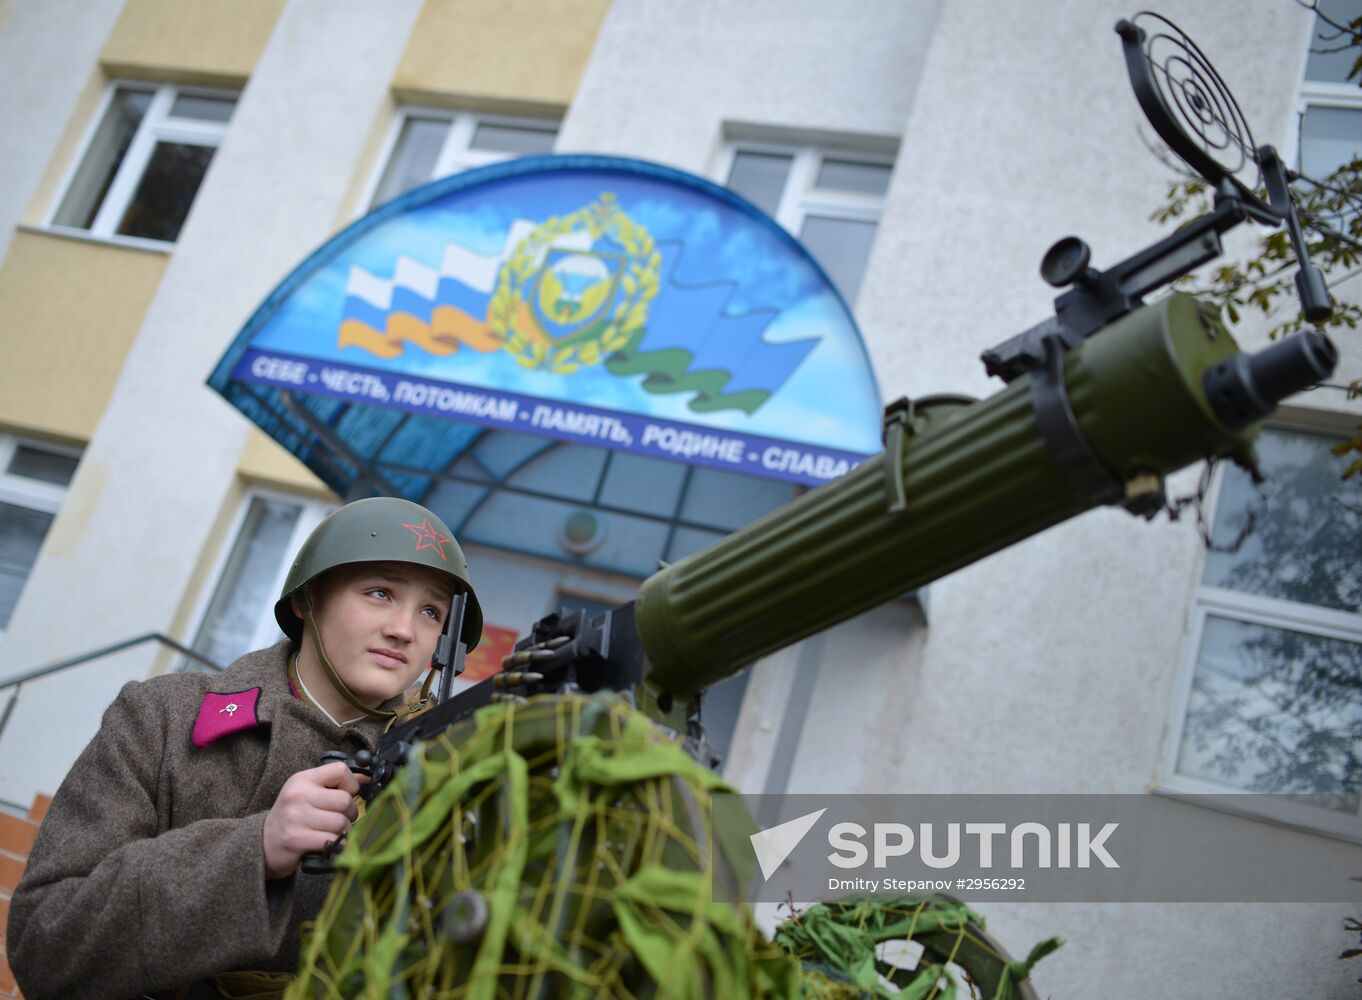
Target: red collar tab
{"x":223,"y":714}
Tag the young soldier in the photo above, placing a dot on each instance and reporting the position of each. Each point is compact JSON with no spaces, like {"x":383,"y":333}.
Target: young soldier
{"x":168,"y":861}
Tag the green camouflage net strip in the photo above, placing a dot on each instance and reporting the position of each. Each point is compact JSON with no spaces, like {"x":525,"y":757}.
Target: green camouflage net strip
{"x":582,"y":827}
{"x":839,"y":945}
{"x":563,"y":848}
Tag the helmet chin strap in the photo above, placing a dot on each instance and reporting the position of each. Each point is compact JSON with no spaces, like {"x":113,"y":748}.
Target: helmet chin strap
{"x":310,"y":627}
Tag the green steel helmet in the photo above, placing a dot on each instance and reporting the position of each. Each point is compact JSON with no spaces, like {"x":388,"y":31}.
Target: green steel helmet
{"x":380,"y":529}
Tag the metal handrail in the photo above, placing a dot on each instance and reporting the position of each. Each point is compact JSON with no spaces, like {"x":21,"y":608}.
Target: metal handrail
{"x":94,"y":654}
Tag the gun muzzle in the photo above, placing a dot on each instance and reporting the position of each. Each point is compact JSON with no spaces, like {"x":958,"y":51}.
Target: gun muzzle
{"x":1247,"y":387}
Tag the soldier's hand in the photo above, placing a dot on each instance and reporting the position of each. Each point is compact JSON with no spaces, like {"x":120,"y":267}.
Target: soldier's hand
{"x":314,"y":806}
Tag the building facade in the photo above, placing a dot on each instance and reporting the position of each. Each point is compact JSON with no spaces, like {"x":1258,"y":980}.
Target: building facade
{"x":163,"y":166}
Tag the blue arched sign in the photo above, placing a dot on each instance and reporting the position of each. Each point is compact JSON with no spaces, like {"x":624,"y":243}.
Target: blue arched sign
{"x":592,"y":299}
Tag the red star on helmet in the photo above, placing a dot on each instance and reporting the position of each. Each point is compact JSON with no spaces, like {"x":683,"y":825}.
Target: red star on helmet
{"x":428,"y":538}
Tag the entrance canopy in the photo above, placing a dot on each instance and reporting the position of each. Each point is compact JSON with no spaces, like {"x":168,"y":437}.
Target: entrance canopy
{"x":595,"y":300}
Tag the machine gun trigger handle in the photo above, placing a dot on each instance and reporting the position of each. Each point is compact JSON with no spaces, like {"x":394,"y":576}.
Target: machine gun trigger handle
{"x":323,"y":862}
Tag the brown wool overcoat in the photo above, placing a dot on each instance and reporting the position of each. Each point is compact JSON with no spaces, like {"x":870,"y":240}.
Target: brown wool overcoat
{"x":148,"y":872}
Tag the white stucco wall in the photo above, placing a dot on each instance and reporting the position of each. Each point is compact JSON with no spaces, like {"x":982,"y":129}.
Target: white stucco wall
{"x":121,"y":552}
{"x":48,"y":51}
{"x":665,"y":78}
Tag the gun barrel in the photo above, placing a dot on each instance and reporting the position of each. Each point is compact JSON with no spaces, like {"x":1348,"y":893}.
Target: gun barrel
{"x":978,"y":477}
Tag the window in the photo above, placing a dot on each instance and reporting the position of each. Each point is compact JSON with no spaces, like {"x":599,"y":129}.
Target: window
{"x":590,"y":507}
{"x":830,"y":199}
{"x":1331,"y":104}
{"x":1271,"y":698}
{"x":33,"y":481}
{"x":431,"y":144}
{"x":144,"y":162}
{"x":239,"y":615}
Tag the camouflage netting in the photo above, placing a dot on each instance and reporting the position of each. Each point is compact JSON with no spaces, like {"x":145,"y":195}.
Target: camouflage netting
{"x":562,"y":848}
{"x":843,"y":953}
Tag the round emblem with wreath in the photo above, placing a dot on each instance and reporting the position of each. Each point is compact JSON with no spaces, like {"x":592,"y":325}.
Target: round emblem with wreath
{"x":512,"y":318}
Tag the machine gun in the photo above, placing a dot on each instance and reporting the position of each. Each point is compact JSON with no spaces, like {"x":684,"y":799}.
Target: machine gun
{"x":1102,"y":401}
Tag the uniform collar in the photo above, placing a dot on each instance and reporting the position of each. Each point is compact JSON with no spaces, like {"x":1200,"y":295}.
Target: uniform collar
{"x":267,"y":670}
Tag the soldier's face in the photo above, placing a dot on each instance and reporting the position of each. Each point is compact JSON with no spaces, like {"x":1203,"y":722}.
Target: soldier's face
{"x":379,"y":622}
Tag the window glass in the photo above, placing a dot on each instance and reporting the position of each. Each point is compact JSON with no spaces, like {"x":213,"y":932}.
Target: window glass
{"x":842,"y":246}
{"x":143,"y":167}
{"x":502,"y":452}
{"x":103,"y":158}
{"x":516,"y":140}
{"x":1304,"y":546}
{"x":688,"y":541}
{"x":1274,"y":702}
{"x":414,"y":157}
{"x":830,"y":200}
{"x":1330,"y":137}
{"x":21,"y":536}
{"x":536,"y":525}
{"x":33,"y":481}
{"x":45,"y":466}
{"x":433,"y":144}
{"x":207,"y":109}
{"x":848,"y":175}
{"x":245,"y":590}
{"x":647,"y":484}
{"x":760,"y":178}
{"x":1331,"y":56}
{"x":727,"y":500}
{"x":1275,"y":710}
{"x":455,"y":502}
{"x":567,"y":470}
{"x":166,"y":191}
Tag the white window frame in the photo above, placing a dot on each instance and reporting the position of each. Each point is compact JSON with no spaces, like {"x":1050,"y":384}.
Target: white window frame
{"x":311,"y":512}
{"x":1252,"y":609}
{"x":456,"y":153}
{"x":1318,"y":94}
{"x":1314,"y":94}
{"x":801,"y":198}
{"x":156,"y":126}
{"x":32,"y":494}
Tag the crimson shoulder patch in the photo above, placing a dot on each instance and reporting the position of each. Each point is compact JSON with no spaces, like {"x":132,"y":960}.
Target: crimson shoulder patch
{"x":223,"y":714}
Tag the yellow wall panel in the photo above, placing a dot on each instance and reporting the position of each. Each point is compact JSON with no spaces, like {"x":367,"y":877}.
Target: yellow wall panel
{"x":190,"y":41}
{"x":69,"y":311}
{"x":267,"y":463}
{"x":64,"y":154}
{"x":509,"y":55}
